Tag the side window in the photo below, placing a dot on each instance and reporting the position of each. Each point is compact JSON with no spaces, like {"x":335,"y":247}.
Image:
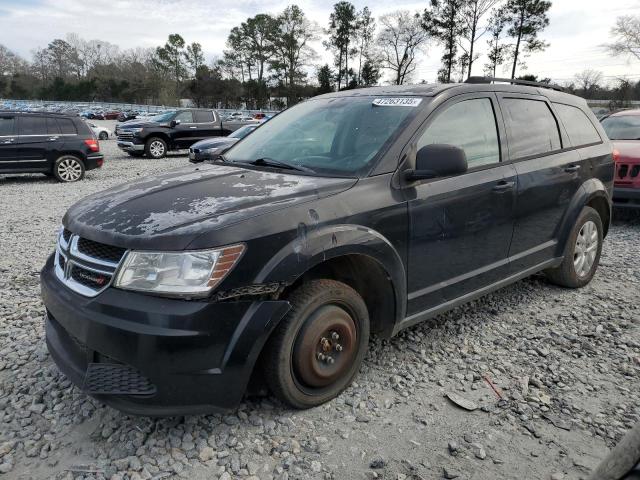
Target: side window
{"x":531,"y":127}
{"x":470,"y":125}
{"x":52,"y":127}
{"x":6,"y":126}
{"x":32,"y":125}
{"x":185,"y":117}
{"x":203,"y":116}
{"x":66,"y":126}
{"x":579,"y":128}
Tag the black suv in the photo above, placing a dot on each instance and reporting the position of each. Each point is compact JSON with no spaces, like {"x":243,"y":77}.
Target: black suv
{"x":53,"y":144}
{"x":353,"y":213}
{"x":172,"y":130}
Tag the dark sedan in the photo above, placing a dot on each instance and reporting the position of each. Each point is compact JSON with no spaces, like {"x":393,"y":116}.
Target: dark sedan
{"x":210,"y":148}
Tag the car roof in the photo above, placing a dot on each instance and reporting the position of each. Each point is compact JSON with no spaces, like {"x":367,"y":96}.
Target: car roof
{"x":625,"y":113}
{"x":434,"y":89}
{"x":55,"y":114}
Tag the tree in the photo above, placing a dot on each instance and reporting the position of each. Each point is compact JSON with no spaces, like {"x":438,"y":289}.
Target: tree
{"x":400,"y":39}
{"x":293,"y":34}
{"x":588,"y":81}
{"x":325,"y":80}
{"x":472,"y":13}
{"x":342,"y":29}
{"x":370,"y":74}
{"x":525,"y":19}
{"x":366,"y":29}
{"x":444,"y":22}
{"x":497,"y":50}
{"x":626,"y":34}
{"x":61,"y":57}
{"x":171,"y":59}
{"x":194,"y":56}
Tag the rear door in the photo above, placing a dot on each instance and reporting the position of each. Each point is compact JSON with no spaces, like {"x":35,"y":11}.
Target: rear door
{"x":207,"y":125}
{"x":39,"y":142}
{"x":461,"y":226}
{"x":186,"y":131}
{"x":549,"y":172}
{"x":8,"y":142}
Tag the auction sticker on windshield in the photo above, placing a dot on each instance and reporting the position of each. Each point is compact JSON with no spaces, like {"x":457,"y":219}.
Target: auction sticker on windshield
{"x":397,"y":102}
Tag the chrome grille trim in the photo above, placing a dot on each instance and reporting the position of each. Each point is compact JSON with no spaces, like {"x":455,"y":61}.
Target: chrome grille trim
{"x":72,"y":257}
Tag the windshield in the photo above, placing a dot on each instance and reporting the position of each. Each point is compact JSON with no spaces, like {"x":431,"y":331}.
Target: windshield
{"x":331,"y":136}
{"x":626,"y":127}
{"x":243,"y":131}
{"x":163,"y":117}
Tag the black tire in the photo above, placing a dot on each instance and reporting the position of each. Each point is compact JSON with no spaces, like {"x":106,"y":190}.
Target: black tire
{"x":136,"y":154}
{"x":566,"y":274}
{"x":292,"y":366}
{"x":155,"y":148}
{"x":68,"y":168}
{"x":103,"y":136}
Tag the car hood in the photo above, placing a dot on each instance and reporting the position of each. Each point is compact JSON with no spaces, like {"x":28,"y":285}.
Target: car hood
{"x":213,"y":142}
{"x":168,"y":211}
{"x":629,"y":149}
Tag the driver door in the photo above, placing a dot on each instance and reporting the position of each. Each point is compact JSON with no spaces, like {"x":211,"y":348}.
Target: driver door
{"x":460,"y":227}
{"x":184,"y":134}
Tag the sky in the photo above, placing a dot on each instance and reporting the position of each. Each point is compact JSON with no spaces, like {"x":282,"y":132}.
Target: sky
{"x":577,"y":30}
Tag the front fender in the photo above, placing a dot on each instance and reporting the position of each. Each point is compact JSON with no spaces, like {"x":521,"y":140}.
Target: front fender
{"x":312,"y":247}
{"x":588,"y":191}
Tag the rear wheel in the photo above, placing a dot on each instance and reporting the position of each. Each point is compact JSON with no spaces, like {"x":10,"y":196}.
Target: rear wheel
{"x":318,"y":348}
{"x":582,"y":252}
{"x":68,"y":169}
{"x":155,"y":148}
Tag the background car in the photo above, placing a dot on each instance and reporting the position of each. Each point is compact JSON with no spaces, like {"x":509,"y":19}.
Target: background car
{"x":210,"y":148}
{"x":623,"y":128}
{"x":103,"y":133}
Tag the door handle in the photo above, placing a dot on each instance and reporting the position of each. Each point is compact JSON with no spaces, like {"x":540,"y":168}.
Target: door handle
{"x":572,"y":168}
{"x":8,"y":141}
{"x":503,"y":186}
{"x":53,"y":139}
{"x":193,"y":127}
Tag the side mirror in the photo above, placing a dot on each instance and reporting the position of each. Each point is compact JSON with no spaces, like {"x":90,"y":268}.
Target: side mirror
{"x":174,"y":123}
{"x":438,"y":160}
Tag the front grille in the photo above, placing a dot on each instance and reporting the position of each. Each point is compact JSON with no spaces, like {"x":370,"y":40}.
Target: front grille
{"x":635,"y":171}
{"x":124,"y":135}
{"x":623,"y":170}
{"x":85,"y":266}
{"x":116,"y":379}
{"x":100,"y":250}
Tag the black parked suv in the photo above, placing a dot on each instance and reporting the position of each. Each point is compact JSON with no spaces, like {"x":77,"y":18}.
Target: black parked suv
{"x":353,"y":213}
{"x":54,"y":144}
{"x":172,"y":130}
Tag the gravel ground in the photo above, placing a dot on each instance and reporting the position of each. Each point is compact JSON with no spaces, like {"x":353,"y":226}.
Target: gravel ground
{"x":565,"y":366}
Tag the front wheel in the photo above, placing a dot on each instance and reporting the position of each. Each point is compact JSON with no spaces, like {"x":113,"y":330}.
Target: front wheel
{"x":156,"y":148}
{"x":103,"y":136}
{"x":68,"y":169}
{"x":582,"y":252}
{"x":318,"y":348}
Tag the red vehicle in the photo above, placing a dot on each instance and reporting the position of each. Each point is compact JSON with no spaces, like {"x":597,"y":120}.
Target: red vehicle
{"x":623,"y":128}
{"x":112,"y":115}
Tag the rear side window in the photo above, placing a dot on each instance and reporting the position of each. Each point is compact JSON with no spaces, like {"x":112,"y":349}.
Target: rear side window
{"x":66,"y":126}
{"x":33,"y":126}
{"x":578,"y":126}
{"x":203,"y":116}
{"x":470,"y":125}
{"x":6,"y":126}
{"x":52,"y":127}
{"x":531,"y":127}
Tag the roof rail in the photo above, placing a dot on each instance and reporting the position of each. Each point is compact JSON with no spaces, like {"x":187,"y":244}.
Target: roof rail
{"x":514,"y":81}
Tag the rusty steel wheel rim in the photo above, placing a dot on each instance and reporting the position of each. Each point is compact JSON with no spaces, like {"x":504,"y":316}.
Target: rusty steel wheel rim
{"x":325,"y":347}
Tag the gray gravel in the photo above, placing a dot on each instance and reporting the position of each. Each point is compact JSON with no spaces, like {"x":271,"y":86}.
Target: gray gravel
{"x":553,"y":374}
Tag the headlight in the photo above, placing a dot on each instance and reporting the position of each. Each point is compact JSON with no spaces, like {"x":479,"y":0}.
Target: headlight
{"x":179,"y":273}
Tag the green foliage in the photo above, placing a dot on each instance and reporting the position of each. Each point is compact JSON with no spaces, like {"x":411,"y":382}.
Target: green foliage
{"x":445,"y":22}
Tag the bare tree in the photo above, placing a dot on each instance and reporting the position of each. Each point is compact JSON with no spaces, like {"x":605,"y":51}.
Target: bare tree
{"x":400,"y":39}
{"x":626,"y":34}
{"x":472,"y":14}
{"x":587,"y":81}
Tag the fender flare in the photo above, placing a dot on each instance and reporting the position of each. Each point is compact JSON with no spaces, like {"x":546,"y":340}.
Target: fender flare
{"x":588,"y":191}
{"x":313,"y":246}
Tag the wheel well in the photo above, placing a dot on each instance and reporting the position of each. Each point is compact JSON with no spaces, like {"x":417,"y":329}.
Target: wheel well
{"x":161,"y":136}
{"x":367,"y":277}
{"x":601,"y":206}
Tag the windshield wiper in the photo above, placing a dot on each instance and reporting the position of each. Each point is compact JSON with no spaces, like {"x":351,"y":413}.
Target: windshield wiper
{"x":271,"y":162}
